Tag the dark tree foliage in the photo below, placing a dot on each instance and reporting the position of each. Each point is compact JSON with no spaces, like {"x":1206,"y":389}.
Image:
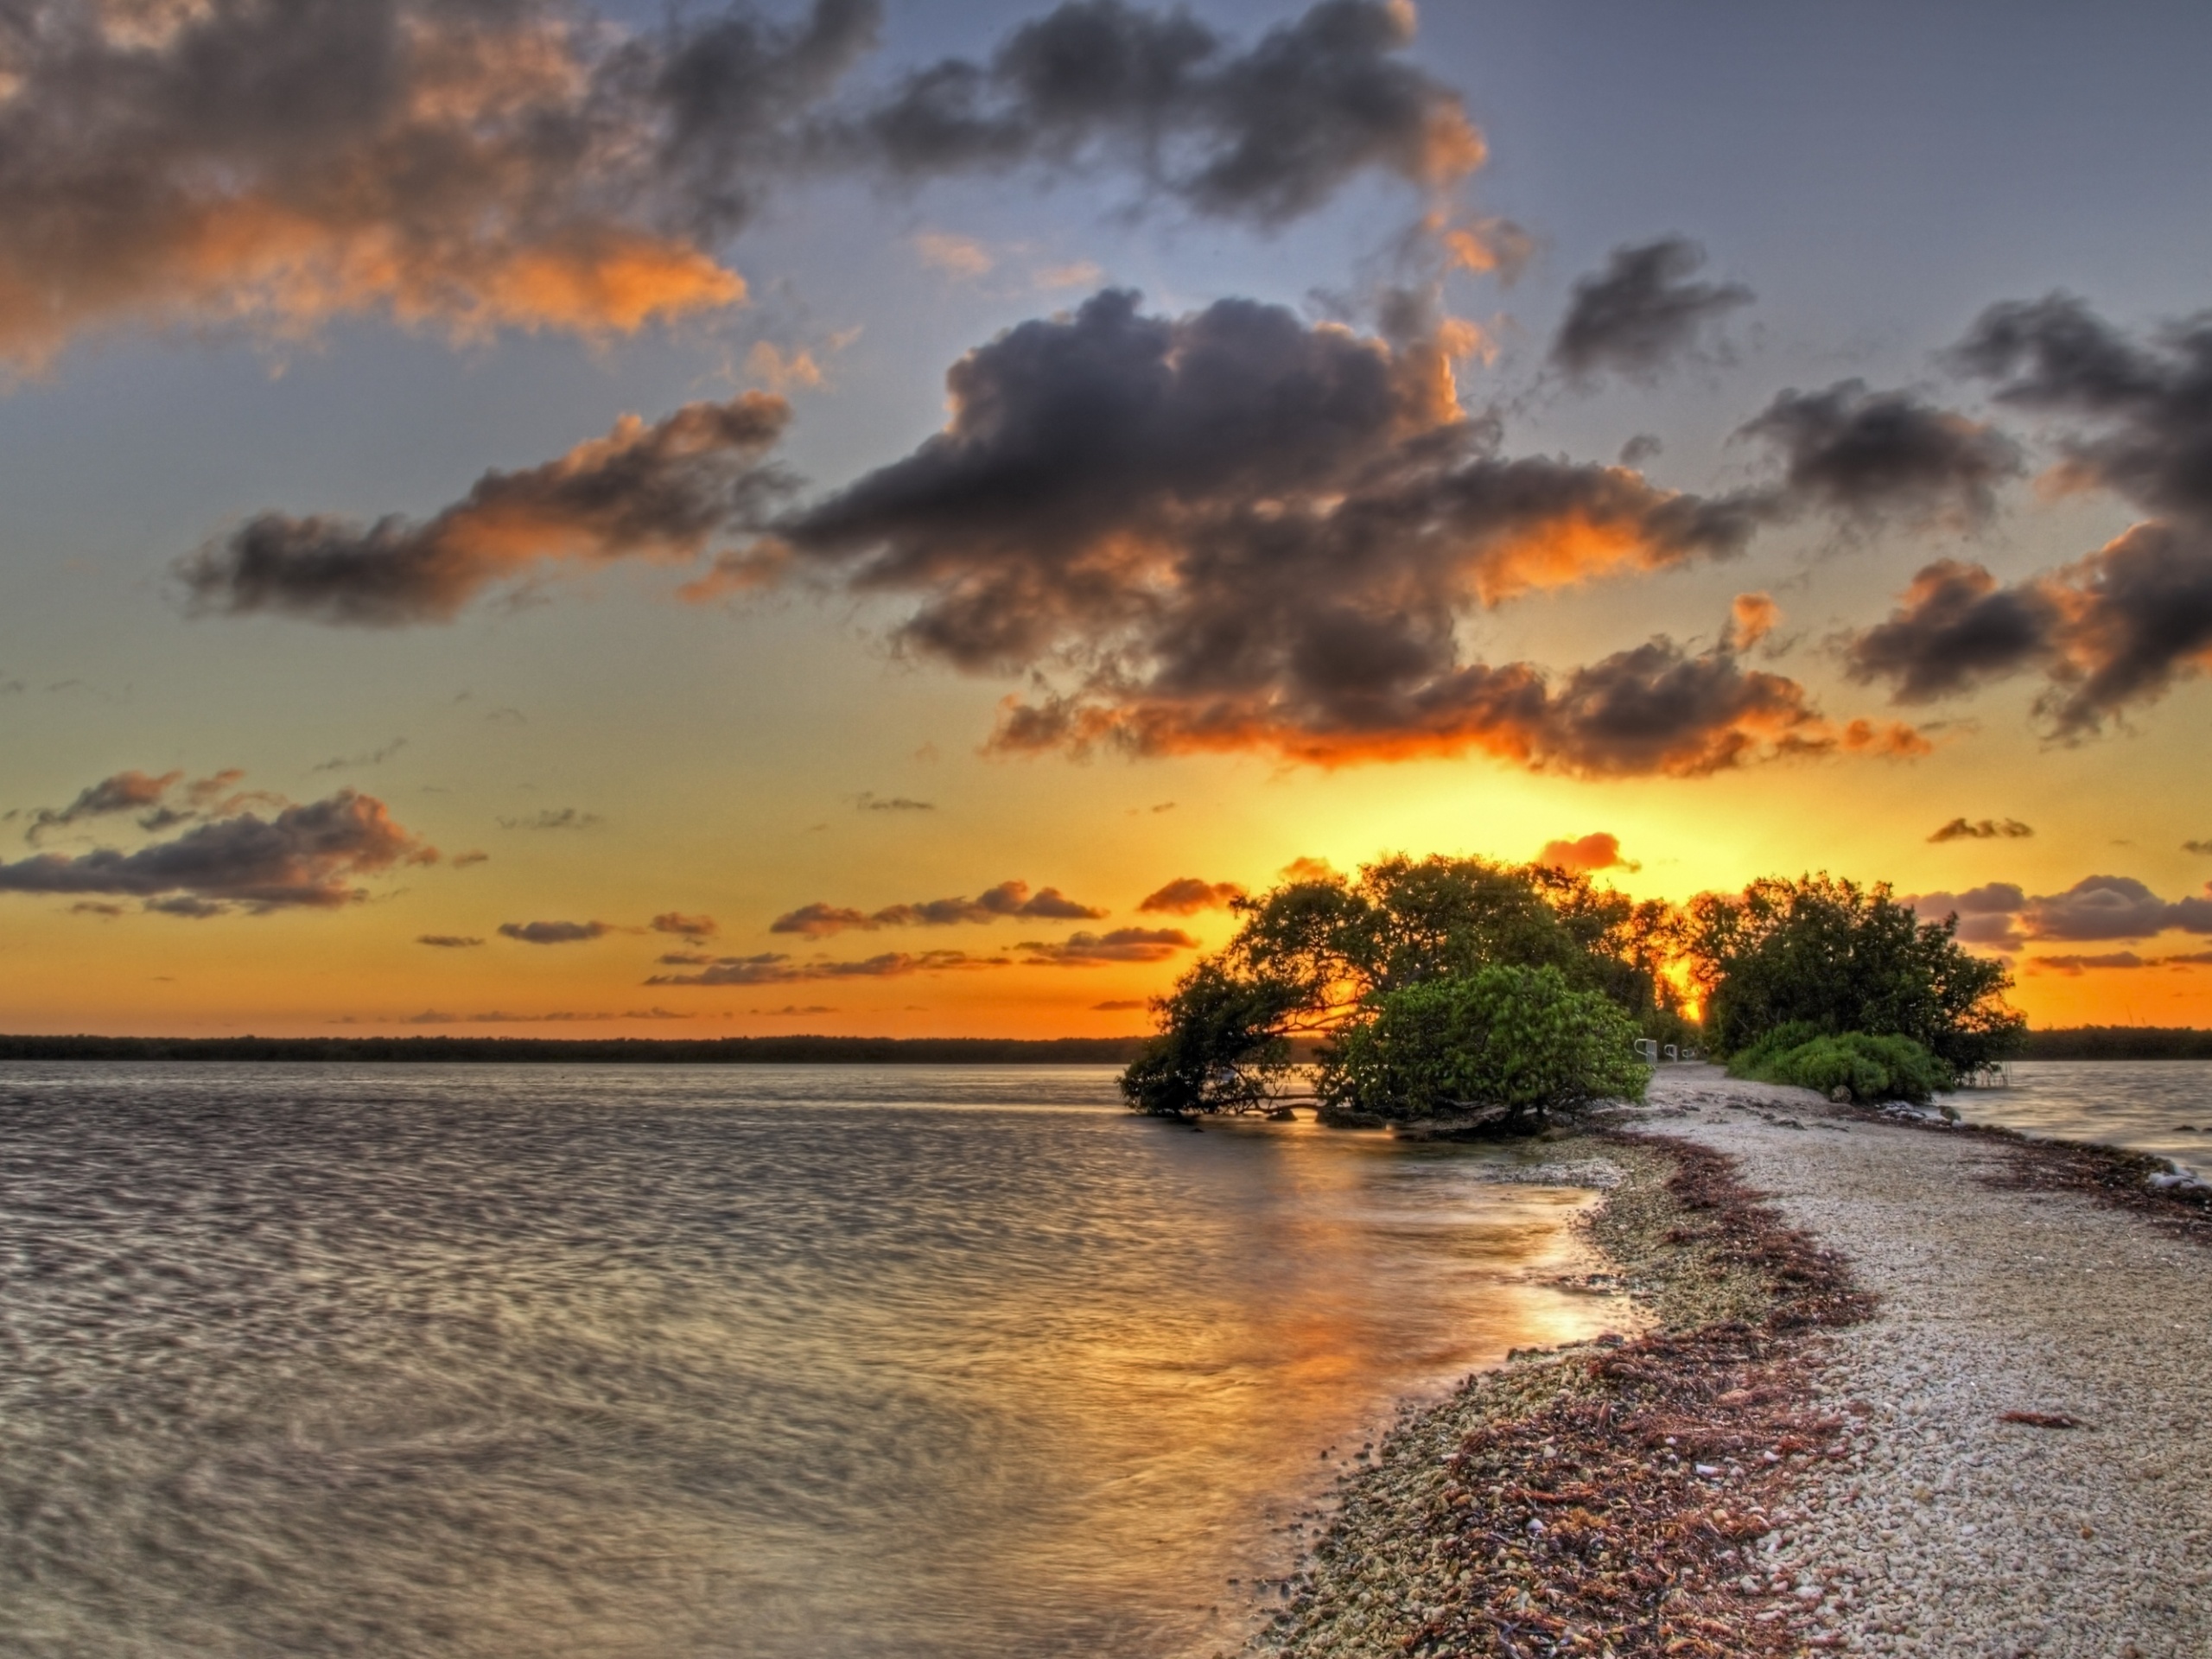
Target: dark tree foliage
{"x":1838,"y":958}
{"x":1314,"y":958}
{"x":1506,"y":1043}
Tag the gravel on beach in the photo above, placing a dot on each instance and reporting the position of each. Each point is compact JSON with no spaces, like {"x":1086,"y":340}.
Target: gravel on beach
{"x":1906,"y":1389}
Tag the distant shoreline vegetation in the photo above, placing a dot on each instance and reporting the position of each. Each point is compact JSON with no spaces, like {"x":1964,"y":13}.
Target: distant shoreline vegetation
{"x":2065,"y":1043}
{"x":612,"y":1051}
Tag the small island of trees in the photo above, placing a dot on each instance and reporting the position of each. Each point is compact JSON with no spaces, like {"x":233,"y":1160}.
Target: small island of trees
{"x":1457,"y":994}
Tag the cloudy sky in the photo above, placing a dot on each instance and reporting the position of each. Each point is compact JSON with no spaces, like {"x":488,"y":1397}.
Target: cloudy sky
{"x":885,"y":518}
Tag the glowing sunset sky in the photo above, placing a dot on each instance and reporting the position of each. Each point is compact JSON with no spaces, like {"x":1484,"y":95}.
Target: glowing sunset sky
{"x":881,"y":519}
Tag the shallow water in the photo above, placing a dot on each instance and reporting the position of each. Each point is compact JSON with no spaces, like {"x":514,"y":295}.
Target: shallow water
{"x":742,"y":1361}
{"x":2139,"y":1104}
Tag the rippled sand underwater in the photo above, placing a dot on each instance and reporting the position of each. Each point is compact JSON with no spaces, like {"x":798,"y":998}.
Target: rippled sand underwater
{"x":820,"y":1361}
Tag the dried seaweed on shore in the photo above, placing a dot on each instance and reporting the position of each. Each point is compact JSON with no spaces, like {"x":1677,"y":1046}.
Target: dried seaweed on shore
{"x":1608,"y":1501}
{"x":2113,"y":1176}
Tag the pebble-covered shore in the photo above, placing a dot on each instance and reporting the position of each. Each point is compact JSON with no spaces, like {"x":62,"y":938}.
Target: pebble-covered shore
{"x":1898,"y":1389}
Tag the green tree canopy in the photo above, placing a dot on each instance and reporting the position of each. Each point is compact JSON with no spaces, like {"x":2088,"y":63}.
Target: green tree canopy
{"x":1314,"y":958}
{"x":1835,"y":957}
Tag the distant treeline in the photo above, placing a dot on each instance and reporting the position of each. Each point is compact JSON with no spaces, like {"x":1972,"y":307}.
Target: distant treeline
{"x":2117,"y":1043}
{"x":614,"y":1051}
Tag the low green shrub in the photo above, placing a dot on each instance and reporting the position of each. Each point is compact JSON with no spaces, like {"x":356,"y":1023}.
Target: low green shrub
{"x":1872,"y":1068}
{"x":1520,"y":1039}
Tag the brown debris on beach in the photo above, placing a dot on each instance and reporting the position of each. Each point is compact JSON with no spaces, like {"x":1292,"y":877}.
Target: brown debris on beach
{"x":1610,"y":1499}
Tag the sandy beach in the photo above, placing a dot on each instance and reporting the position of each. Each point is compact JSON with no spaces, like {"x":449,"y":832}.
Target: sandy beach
{"x":1896,"y":1389}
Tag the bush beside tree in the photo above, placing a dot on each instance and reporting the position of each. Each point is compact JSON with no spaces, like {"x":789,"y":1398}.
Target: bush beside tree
{"x":1835,"y":957}
{"x":1870,"y":1068}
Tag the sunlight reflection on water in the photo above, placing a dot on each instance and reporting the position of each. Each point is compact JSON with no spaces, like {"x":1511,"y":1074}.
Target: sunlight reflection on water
{"x":750,"y":1361}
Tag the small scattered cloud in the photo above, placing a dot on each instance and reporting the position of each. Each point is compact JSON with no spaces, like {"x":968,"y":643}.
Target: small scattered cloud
{"x":100,"y":907}
{"x":373,"y":758}
{"x":662,"y":491}
{"x":790,"y":1010}
{"x":555,"y":932}
{"x":1188,"y":894}
{"x":307,"y":857}
{"x":687,"y":927}
{"x":555,"y":817}
{"x":1008,"y":900}
{"x":2203,"y":848}
{"x":2073,"y":966}
{"x":498,"y":1017}
{"x":867,"y":802}
{"x":162,"y":801}
{"x":1587,"y":854}
{"x":1642,"y":311}
{"x":1871,"y":456}
{"x":956,"y":256}
{"x":1303,"y":868}
{"x":1121,"y":1005}
{"x":774,"y":968}
{"x":1752,"y":618}
{"x":1095,"y":950}
{"x":780,"y":370}
{"x":462,"y":860}
{"x":1982,"y":830}
{"x":2095,"y":908}
{"x":448,"y":941}
{"x":1080,"y":273}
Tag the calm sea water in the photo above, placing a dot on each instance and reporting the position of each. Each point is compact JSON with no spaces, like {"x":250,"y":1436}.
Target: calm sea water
{"x":662,"y":1361}
{"x":2140,"y":1103}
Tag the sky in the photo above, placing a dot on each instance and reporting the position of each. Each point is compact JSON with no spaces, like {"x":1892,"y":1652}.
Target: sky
{"x":522,"y":517}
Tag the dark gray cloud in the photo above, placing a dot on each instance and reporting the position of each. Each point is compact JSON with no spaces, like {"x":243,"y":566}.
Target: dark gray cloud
{"x":871,"y":802}
{"x":555,"y":932}
{"x":1231,"y":530}
{"x":1008,"y":900}
{"x":475,"y":164}
{"x":1643,"y":311}
{"x":2097,"y":907}
{"x":1120,"y":1005}
{"x":2119,"y":626}
{"x":309,"y":856}
{"x":2111,"y":631}
{"x":1982,"y":830}
{"x":1954,"y":628}
{"x":1086,"y":950}
{"x":1186,"y":895}
{"x":1262,"y":134}
{"x":2145,"y":410}
{"x":448,"y":941}
{"x":774,"y":968}
{"x":1871,"y":456}
{"x":2200,"y":848}
{"x":662,"y":491}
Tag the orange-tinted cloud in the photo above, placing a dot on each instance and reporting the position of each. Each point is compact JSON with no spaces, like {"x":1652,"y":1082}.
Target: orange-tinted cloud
{"x":1598,"y":850}
{"x":527,"y":165}
{"x":774,"y":968}
{"x":1751,"y":617}
{"x":661,"y":492}
{"x":1187,"y":895}
{"x":1235,"y":531}
{"x":1982,"y":830}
